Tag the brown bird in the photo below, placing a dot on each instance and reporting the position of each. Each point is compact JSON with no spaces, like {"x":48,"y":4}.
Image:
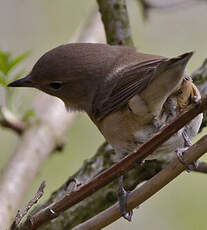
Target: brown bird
{"x":127,"y":94}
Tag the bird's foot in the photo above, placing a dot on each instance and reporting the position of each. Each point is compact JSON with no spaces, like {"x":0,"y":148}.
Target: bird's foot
{"x":191,"y":167}
{"x":122,"y":195}
{"x":71,"y":185}
{"x":180,"y":151}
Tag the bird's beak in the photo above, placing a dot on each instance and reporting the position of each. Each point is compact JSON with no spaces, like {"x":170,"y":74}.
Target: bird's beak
{"x":23,"y":82}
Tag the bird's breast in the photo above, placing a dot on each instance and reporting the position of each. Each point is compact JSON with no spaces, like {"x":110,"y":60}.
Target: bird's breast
{"x":125,"y":129}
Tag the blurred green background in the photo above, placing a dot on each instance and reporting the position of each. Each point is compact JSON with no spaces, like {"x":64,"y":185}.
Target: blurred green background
{"x":43,"y":24}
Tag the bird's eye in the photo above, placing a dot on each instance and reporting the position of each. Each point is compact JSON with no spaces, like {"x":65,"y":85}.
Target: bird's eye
{"x":56,"y":85}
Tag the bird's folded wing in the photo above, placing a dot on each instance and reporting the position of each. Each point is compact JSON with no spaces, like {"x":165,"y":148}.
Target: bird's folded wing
{"x":123,"y":86}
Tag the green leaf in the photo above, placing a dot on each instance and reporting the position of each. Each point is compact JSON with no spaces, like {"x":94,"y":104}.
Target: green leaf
{"x":17,"y":60}
{"x":7,"y":64}
{"x":2,"y":74}
{"x":3,"y":81}
{"x":4,"y":59}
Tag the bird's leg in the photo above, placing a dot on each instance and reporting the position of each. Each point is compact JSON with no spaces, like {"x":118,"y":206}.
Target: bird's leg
{"x":122,"y":195}
{"x":179,"y":152}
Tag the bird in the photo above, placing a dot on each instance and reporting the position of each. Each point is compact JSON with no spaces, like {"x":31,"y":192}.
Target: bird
{"x":128,"y":95}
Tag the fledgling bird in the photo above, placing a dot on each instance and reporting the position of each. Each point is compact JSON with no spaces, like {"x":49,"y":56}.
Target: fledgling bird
{"x":128,"y":95}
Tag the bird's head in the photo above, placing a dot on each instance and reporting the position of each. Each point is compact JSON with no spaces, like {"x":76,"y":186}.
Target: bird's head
{"x":58,"y":74}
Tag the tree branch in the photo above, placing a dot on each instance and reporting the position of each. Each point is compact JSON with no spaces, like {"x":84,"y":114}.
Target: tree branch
{"x":20,"y":214}
{"x":10,"y":121}
{"x":202,"y":167}
{"x":116,"y":22}
{"x":148,"y":5}
{"x":30,"y":154}
{"x":139,"y":195}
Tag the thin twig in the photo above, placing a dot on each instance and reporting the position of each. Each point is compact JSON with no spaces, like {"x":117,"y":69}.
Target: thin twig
{"x":10,"y":121}
{"x":144,"y":192}
{"x":167,"y":4}
{"x":163,"y":5}
{"x":20,"y":214}
{"x":117,"y":169}
{"x":202,"y":167}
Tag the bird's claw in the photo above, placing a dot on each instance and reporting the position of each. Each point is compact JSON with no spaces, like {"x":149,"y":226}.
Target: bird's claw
{"x":191,"y":167}
{"x":179,"y":153}
{"x":71,"y":185}
{"x":123,"y":194}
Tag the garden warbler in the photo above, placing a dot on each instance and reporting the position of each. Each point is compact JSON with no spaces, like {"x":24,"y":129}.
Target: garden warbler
{"x":127,"y":94}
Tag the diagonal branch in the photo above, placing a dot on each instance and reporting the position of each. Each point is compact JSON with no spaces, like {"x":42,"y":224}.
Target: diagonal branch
{"x":20,"y":214}
{"x":148,"y":5}
{"x":139,"y":195}
{"x":201,"y":168}
{"x":116,"y":170}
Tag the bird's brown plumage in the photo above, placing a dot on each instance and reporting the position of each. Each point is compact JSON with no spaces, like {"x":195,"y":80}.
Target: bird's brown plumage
{"x":122,"y":90}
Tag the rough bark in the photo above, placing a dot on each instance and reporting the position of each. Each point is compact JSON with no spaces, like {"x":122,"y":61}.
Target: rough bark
{"x":144,"y":192}
{"x":104,"y":197}
{"x":116,"y":22}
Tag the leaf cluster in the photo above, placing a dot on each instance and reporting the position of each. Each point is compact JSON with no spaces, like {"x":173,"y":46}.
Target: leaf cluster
{"x":11,"y":70}
{"x":8,"y":64}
